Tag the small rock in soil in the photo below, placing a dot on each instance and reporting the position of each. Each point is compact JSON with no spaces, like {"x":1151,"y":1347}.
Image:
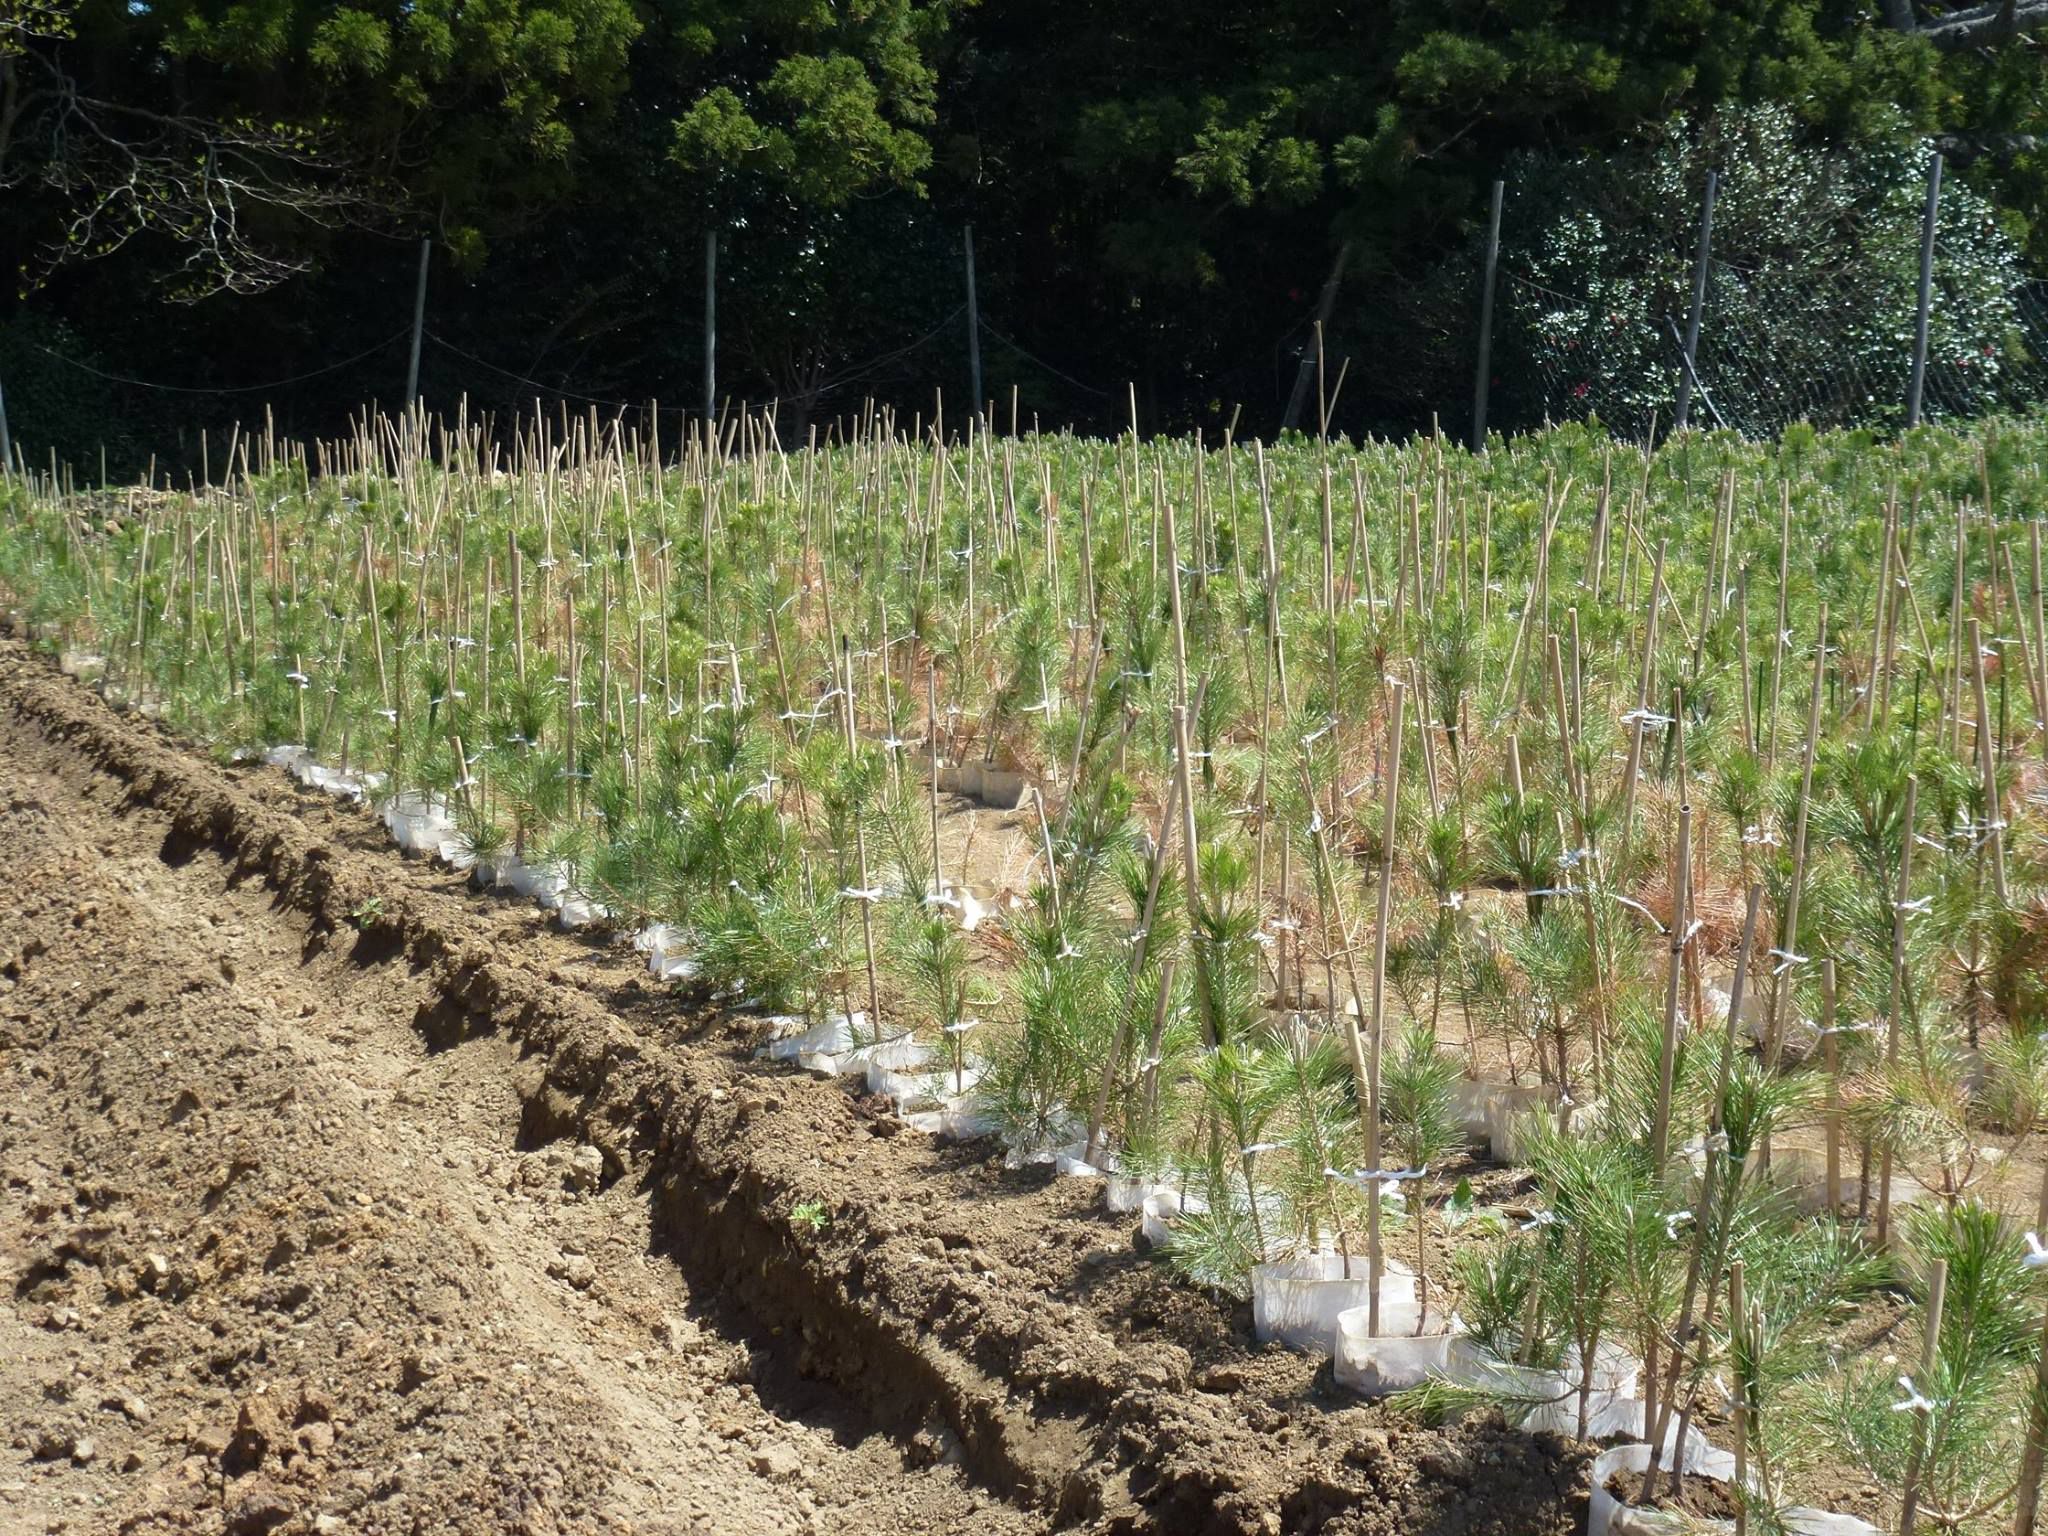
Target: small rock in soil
{"x":778,"y":1461}
{"x":256,"y":1506}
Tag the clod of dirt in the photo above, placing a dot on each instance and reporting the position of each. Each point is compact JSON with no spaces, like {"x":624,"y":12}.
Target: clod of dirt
{"x":256,"y":1505}
{"x":778,"y":1461}
{"x":586,"y":1169}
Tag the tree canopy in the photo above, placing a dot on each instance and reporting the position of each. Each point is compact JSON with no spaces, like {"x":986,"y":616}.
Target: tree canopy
{"x":1160,"y":190}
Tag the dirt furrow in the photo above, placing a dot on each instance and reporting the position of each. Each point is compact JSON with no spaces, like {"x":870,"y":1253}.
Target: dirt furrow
{"x":454,"y":1065}
{"x":276,"y":1265}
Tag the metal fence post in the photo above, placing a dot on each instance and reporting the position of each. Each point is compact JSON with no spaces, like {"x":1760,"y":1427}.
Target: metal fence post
{"x":1919,"y":381}
{"x":1482,"y":377}
{"x":419,"y":324}
{"x":1699,"y":303}
{"x":973,"y":328}
{"x":710,"y":333}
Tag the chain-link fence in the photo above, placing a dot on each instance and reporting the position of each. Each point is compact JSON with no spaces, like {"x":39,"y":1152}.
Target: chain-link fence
{"x":1809,"y":312}
{"x":1811,"y":294}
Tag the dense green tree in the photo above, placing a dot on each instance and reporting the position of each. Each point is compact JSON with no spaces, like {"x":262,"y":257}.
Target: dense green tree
{"x":1162,"y":193}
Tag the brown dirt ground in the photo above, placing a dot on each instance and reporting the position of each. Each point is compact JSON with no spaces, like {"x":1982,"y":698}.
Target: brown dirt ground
{"x":437,"y":1220}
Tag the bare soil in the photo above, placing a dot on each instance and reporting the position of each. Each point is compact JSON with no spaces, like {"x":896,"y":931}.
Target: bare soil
{"x":336,"y":1198}
{"x":1699,"y":1498}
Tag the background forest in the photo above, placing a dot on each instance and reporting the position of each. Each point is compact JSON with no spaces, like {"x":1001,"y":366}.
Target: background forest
{"x":222,"y":194}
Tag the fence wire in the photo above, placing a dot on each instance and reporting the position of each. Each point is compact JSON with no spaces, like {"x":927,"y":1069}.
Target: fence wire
{"x":1776,"y":347}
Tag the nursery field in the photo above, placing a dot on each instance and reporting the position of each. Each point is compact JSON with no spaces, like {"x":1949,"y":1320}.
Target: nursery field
{"x":1006,"y":983}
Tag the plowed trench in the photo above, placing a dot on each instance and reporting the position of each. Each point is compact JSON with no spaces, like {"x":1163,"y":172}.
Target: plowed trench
{"x":274,"y":1264}
{"x":334,"y":1198}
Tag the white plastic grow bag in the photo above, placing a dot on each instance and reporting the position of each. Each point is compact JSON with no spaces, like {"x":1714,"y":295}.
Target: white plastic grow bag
{"x":1542,"y":1399}
{"x":892,"y":1065}
{"x":1162,"y":1208}
{"x":667,"y":955}
{"x":418,"y":822}
{"x":1073,"y":1161}
{"x":970,"y":905}
{"x":540,"y":882}
{"x":577,"y":910}
{"x":1002,"y":790}
{"x":936,"y":1086}
{"x":1124,"y":1193}
{"x":1299,"y":1301}
{"x":1500,"y":1114}
{"x":827,"y":1046}
{"x":960,"y":1119}
{"x":1609,"y":1516}
{"x":1064,"y":1137}
{"x":1803,"y":1173}
{"x":1393,"y":1361}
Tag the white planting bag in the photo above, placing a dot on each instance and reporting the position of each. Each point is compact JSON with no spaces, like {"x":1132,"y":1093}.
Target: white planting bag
{"x":1300,"y":1300}
{"x":827,"y":1046}
{"x":1162,"y":1208}
{"x":418,"y":822}
{"x":1393,"y":1361}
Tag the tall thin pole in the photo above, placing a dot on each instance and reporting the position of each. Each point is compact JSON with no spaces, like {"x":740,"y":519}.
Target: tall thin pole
{"x":1919,"y":383}
{"x":710,"y":328}
{"x":973,"y":327}
{"x":419,"y":324}
{"x":1482,"y":376}
{"x":1699,"y":302}
{"x":1326,"y":301}
{"x":6,"y":442}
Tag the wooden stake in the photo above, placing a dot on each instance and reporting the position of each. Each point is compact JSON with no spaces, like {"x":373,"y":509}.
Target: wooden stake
{"x":1389,"y":820}
{"x":1895,"y":1004}
{"x":1924,"y":1383}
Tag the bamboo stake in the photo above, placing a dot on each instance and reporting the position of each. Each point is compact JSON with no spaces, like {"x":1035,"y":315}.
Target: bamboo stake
{"x":1896,"y":999}
{"x":1191,"y":853}
{"x":1389,"y":820}
{"x":1930,"y":1358}
{"x":2027,"y":1496}
{"x":1994,"y":809}
{"x":1832,"y":1057}
{"x":1788,"y":930}
{"x":1641,"y":718}
{"x":1778,"y":635}
{"x":1739,"y":1419}
{"x":1660,"y":1127}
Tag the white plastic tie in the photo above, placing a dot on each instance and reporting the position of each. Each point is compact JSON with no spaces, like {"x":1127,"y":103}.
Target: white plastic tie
{"x":1365,"y":1176}
{"x":1630,"y":901}
{"x":1914,"y":1401}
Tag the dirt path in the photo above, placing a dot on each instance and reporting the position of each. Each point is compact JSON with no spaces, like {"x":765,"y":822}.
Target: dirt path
{"x":274,"y":1265}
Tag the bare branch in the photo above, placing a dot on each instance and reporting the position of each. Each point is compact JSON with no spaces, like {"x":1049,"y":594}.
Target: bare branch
{"x":229,"y":195}
{"x":1975,"y":26}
